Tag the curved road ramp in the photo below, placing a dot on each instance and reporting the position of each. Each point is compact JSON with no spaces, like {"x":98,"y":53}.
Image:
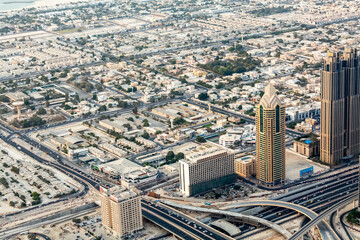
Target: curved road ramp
{"x":299,"y":234}
{"x":327,"y":233}
{"x":244,"y":217}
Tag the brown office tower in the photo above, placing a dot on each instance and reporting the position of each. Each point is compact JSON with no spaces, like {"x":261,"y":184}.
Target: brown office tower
{"x":270,"y":139}
{"x":340,"y":107}
{"x":121,"y":210}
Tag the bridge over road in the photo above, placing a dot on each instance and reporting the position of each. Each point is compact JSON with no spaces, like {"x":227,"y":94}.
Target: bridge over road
{"x":244,"y":217}
{"x":299,"y":234}
{"x":327,"y":233}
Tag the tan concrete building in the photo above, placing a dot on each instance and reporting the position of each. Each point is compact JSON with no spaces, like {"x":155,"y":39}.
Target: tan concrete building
{"x":270,"y":139}
{"x":146,"y":142}
{"x":245,"y":166}
{"x":206,"y":166}
{"x":121,"y":210}
{"x":307,"y":147}
{"x":340,"y":105}
{"x":133,"y":146}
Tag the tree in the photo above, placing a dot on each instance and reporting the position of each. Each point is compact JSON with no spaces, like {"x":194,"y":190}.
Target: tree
{"x":43,"y":78}
{"x":170,"y":155}
{"x":35,"y":196}
{"x":76,"y":220}
{"x":47,"y":103}
{"x":179,"y":156}
{"x":41,"y":111}
{"x":135,"y":110}
{"x":146,"y":123}
{"x":77,"y":98}
{"x":203,"y":96}
{"x":128,"y":126}
{"x":15,"y":169}
{"x":102,"y":108}
{"x":219,"y":85}
{"x":66,"y":97}
{"x":63,"y":75}
{"x":179,"y":121}
{"x":35,"y":120}
{"x":200,"y":139}
{"x":122,"y":104}
{"x":146,"y":135}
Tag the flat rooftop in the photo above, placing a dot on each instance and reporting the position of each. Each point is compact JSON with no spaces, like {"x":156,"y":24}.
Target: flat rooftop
{"x":204,"y":151}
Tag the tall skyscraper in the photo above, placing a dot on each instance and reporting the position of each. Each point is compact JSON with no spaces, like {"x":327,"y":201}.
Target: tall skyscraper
{"x":270,"y":139}
{"x":121,"y":210}
{"x":206,"y":166}
{"x":340,"y":107}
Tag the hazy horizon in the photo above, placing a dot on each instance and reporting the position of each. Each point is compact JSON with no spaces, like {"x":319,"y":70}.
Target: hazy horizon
{"x":6,"y":5}
{"x":16,"y":4}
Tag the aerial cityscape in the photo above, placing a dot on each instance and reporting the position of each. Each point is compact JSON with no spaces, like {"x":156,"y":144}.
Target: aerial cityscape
{"x":169,"y":119}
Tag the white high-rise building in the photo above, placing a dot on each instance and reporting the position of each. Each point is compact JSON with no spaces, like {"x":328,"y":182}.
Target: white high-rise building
{"x":205,"y":167}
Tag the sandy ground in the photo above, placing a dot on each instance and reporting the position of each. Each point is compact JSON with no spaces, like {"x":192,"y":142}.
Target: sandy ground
{"x":13,"y":221}
{"x":19,"y":156}
{"x":69,"y":230}
{"x":296,"y":162}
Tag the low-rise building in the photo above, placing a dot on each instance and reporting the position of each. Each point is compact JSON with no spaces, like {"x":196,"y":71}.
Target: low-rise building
{"x":304,"y":111}
{"x":98,"y":153}
{"x":146,"y":142}
{"x":113,"y":149}
{"x":133,"y":146}
{"x":234,"y":119}
{"x":229,"y":139}
{"x":307,"y":147}
{"x":75,"y":153}
{"x":112,"y":125}
{"x":245,"y":166}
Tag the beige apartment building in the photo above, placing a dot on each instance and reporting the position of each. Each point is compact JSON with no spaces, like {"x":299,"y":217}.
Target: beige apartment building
{"x":121,"y":210}
{"x":270,"y":139}
{"x":205,"y":167}
{"x":340,"y":107}
{"x":307,"y":147}
{"x":245,"y":166}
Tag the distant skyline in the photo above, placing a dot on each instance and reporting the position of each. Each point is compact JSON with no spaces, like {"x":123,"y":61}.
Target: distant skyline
{"x":6,"y":5}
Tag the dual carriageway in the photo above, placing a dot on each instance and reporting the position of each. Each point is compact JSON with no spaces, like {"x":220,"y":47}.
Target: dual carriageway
{"x":319,"y":194}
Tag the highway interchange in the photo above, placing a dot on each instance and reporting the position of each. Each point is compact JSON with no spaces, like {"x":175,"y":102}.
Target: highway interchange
{"x":318,"y":194}
{"x":178,"y":223}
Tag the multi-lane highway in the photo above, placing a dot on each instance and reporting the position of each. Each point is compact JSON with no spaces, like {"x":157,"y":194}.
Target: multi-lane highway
{"x":326,"y":232}
{"x":242,"y":217}
{"x":317,"y":196}
{"x":8,"y":233}
{"x":178,"y":223}
{"x":348,"y":199}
